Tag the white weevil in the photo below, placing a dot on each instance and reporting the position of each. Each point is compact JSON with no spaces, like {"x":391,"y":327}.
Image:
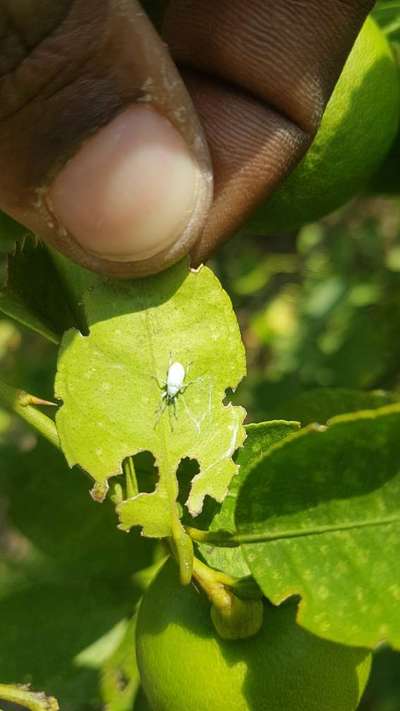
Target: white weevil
{"x":173,"y":386}
{"x":175,"y":383}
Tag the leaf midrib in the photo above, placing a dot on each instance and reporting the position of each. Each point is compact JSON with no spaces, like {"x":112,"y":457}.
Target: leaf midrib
{"x":265,"y":537}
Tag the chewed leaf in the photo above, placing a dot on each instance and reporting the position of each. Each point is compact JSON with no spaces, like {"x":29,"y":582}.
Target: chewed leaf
{"x":113,"y":387}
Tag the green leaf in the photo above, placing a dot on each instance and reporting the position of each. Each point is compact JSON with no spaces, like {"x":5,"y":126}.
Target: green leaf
{"x":260,"y":437}
{"x":387,"y":15}
{"x":383,"y":690}
{"x":110,"y":384}
{"x":10,"y":232}
{"x":319,"y":517}
{"x":33,"y":294}
{"x":321,"y":404}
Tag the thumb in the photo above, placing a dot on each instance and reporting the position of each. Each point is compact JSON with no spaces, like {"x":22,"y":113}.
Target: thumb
{"x":101,"y":152}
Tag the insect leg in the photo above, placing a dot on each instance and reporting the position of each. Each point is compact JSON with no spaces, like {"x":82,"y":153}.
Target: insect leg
{"x":159,"y":383}
{"x":160,"y":410}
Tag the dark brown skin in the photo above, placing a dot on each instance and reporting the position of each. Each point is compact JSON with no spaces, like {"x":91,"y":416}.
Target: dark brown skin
{"x":259,"y":74}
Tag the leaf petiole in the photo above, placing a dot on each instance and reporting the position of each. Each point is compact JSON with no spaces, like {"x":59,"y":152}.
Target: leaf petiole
{"x":219,"y":539}
{"x":182,"y":548}
{"x":132,"y":488}
{"x":22,"y":404}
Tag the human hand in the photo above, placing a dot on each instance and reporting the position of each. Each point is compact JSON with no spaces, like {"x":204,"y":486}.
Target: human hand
{"x":101,"y":151}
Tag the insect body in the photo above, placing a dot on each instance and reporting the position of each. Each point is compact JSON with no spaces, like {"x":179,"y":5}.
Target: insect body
{"x":175,"y":383}
{"x":172,"y":389}
{"x":173,"y":386}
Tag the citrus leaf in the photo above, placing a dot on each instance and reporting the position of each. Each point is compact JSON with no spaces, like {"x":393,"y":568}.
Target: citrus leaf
{"x":260,"y":437}
{"x":387,"y":15}
{"x":33,"y":293}
{"x":321,"y":404}
{"x":319,"y":517}
{"x":111,"y":383}
{"x":10,"y":232}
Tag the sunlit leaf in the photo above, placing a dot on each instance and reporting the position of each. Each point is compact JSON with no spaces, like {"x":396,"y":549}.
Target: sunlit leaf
{"x":319,"y":517}
{"x":111,"y":384}
{"x":260,"y":438}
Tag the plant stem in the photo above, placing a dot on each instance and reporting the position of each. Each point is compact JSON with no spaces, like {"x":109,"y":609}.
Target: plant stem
{"x":132,"y":488}
{"x":25,"y":697}
{"x":219,"y":539}
{"x":182,"y":548}
{"x":117,"y":494}
{"x":211,"y":580}
{"x":21,"y":403}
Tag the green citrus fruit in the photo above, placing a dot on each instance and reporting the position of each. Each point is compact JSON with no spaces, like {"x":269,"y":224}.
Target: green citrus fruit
{"x":141,"y":703}
{"x":387,"y":180}
{"x":356,"y":132}
{"x":185,"y":666}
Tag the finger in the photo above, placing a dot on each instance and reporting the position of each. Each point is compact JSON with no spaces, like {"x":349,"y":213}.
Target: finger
{"x":101,"y":152}
{"x":260,"y":74}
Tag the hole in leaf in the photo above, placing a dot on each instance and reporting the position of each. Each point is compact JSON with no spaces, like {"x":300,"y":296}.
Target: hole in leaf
{"x":187,"y":470}
{"x":229,"y":393}
{"x":146,"y":472}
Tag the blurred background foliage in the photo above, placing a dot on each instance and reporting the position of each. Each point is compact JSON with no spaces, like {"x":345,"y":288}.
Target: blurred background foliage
{"x":320,"y":308}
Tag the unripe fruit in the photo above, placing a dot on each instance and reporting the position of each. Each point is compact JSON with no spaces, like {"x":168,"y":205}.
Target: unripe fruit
{"x":185,"y":666}
{"x":387,"y":180}
{"x":141,"y":703}
{"x":357,"y":130}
